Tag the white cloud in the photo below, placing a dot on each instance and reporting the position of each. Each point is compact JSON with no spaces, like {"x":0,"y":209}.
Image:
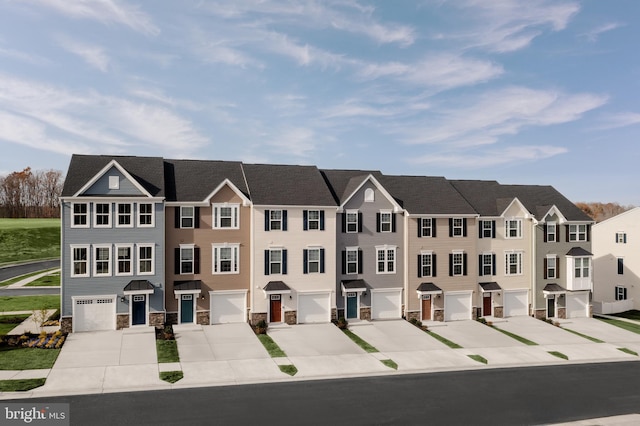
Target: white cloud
{"x":92,"y":55}
{"x":294,"y":141}
{"x":594,"y":34}
{"x":621,"y":119}
{"x":497,"y":157}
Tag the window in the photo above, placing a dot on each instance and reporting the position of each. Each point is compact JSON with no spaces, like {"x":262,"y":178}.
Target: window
{"x":275,"y":261}
{"x":145,"y":214}
{"x":620,"y":266}
{"x":125,"y":260}
{"x":457,"y":227}
{"x":426,"y":227}
{"x":513,"y":263}
{"x":313,"y":261}
{"x":313,"y":220}
{"x":114,"y":182}
{"x":101,"y":260}
{"x":225,"y":216}
{"x":275,"y":220}
{"x":621,"y":237}
{"x":457,"y":264}
{"x":384,"y":222}
{"x":581,"y":267}
{"x":80,"y":215}
{"x":124,"y":214}
{"x":145,"y":259}
{"x":487,"y":229}
{"x":487,"y":264}
{"x":226,"y":258}
{"x":102,"y":213}
{"x":621,"y":293}
{"x":577,"y":232}
{"x":80,"y":261}
{"x":187,"y":256}
{"x":513,"y":228}
{"x":369,"y":195}
{"x":351,"y":260}
{"x":551,"y":267}
{"x":386,"y":260}
{"x":187,"y":216}
{"x":352,"y":221}
{"x":551,"y":235}
{"x":426,"y":264}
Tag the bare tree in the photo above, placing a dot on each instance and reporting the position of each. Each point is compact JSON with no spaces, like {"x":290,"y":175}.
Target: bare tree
{"x":28,"y":194}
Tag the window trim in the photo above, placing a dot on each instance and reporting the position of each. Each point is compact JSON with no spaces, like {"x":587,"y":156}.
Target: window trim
{"x":519,"y":266}
{"x":185,"y":247}
{"x":485,"y":229}
{"x":307,"y":225}
{"x":117,"y":260}
{"x":139,"y":259}
{"x":86,"y":215}
{"x":553,"y":268}
{"x":309,"y":262}
{"x":108,"y":215}
{"x":426,"y":254}
{"x":355,"y":223}
{"x":183,"y":217}
{"x":620,"y":292}
{"x":139,"y":215}
{"x":490,"y":265}
{"x":217,"y":216}
{"x":620,"y":265}
{"x":383,"y":222}
{"x":574,"y":236}
{"x":386,"y":250}
{"x":554,"y":226}
{"x":508,"y":229}
{"x":582,"y":260}
{"x":454,"y":254}
{"x":621,"y":237}
{"x":423,"y":227}
{"x":118,"y":215}
{"x":272,"y":221}
{"x":280,"y":262}
{"x":86,"y":247}
{"x":216,"y":259}
{"x":455,"y":227}
{"x":109,"y":261}
{"x":356,"y":250}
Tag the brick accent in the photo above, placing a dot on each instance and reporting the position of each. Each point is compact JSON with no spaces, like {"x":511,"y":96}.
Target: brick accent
{"x":122,"y":321}
{"x":257,"y":317}
{"x":291,"y":317}
{"x":66,"y":324}
{"x":171,"y":318}
{"x":540,"y":314}
{"x":438,"y":315}
{"x":365,"y":314}
{"x":562,"y":313}
{"x":334,"y":314}
{"x":156,"y":319}
{"x":498,"y":311}
{"x":412,"y":315}
{"x":202,"y":318}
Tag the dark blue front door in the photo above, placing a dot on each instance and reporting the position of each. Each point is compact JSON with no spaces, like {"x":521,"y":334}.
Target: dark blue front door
{"x":186,"y":308}
{"x":352,"y":305}
{"x":138,"y":310}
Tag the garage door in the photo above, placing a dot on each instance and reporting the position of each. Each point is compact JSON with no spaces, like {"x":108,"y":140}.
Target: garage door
{"x":94,"y":314}
{"x":516,"y":303}
{"x":314,"y":307}
{"x":228,"y":306}
{"x":577,"y":305}
{"x":386,"y":304}
{"x":457,"y":306}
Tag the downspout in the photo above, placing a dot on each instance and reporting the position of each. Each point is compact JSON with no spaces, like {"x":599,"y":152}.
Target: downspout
{"x":406,"y":263}
{"x":534,"y":267}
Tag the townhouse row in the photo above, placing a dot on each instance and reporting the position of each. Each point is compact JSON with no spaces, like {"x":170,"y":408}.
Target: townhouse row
{"x":149,"y":241}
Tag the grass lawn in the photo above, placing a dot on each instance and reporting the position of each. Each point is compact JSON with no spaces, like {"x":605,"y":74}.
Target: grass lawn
{"x":635,"y":328}
{"x":271,"y":346}
{"x":29,"y":239}
{"x":444,"y":340}
{"x":20,"y":385}
{"x":171,"y":376}
{"x":558,"y":354}
{"x":593,"y":339}
{"x":358,"y":341}
{"x":9,"y":322}
{"x":21,"y":277}
{"x":27,"y":358}
{"x":29,"y":303}
{"x":628,"y":351}
{"x":633,"y":314}
{"x":478,"y":358}
{"x":52,"y":280}
{"x":167,"y":351}
{"x":288,"y":369}
{"x":389,"y":363}
{"x":515,"y":336}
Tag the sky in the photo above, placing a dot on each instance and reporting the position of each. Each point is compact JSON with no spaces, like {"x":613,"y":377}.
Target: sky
{"x":523,"y":92}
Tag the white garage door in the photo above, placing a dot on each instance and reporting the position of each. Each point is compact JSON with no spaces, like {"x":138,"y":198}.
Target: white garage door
{"x":457,"y":306}
{"x":228,"y":306}
{"x":516,"y":303}
{"x":577,"y":305}
{"x":386,"y":303}
{"x":94,"y":314}
{"x":314,"y":307}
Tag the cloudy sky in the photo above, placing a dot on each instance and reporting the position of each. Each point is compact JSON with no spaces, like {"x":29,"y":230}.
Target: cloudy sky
{"x":531,"y":92}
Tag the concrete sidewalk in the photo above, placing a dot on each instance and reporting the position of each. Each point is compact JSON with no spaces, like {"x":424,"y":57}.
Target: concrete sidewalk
{"x":25,"y":281}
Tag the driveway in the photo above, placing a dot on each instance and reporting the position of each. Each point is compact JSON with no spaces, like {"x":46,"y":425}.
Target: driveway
{"x":472,"y":334}
{"x":612,"y":334}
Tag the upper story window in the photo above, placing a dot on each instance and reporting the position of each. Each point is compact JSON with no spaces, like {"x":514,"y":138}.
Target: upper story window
{"x":487,"y":229}
{"x":313,"y":260}
{"x":352,"y":221}
{"x":426,"y":264}
{"x":114,"y":182}
{"x":226,"y":216}
{"x":187,"y":216}
{"x":124,"y":215}
{"x":313,"y":220}
{"x":275,"y":220}
{"x":80,"y":261}
{"x":145,"y":215}
{"x":487,"y":264}
{"x":551,"y":234}
{"x":352,"y":261}
{"x":102,"y":215}
{"x":513,"y":228}
{"x":581,"y":267}
{"x":457,"y":263}
{"x":426,"y":227}
{"x":369,"y":195}
{"x":226,"y":258}
{"x":621,"y":237}
{"x":146,"y":255}
{"x":275,"y":261}
{"x":620,"y":293}
{"x":125,"y":260}
{"x":385,"y":219}
{"x":551,"y":267}
{"x":80,"y":215}
{"x":386,"y":258}
{"x":102,"y":260}
{"x":578,"y":233}
{"x":186,"y":259}
{"x":457,"y":227}
{"x":513,"y":263}
{"x":620,"y":266}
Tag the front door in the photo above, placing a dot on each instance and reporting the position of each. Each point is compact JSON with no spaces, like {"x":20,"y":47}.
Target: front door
{"x":275,"y":308}
{"x":551,"y":307}
{"x":486,"y":304}
{"x":426,"y":307}
{"x":186,"y":308}
{"x":352,"y":305}
{"x":138,"y":309}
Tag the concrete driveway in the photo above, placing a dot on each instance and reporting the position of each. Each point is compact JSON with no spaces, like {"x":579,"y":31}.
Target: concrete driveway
{"x":472,"y":334}
{"x":616,"y":336}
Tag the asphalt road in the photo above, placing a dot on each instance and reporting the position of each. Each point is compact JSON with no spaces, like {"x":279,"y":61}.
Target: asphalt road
{"x":9,"y":272}
{"x":515,"y":396}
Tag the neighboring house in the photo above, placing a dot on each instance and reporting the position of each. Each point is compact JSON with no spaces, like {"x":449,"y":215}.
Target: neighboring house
{"x":616,"y":258}
{"x":369,"y":239}
{"x":208,"y":240}
{"x":293,"y":244}
{"x":112,"y":254}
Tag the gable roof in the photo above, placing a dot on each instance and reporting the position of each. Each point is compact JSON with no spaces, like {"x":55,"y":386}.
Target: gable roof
{"x":343,"y":183}
{"x":195,"y":180}
{"x":147,"y":172}
{"x":287,"y":185}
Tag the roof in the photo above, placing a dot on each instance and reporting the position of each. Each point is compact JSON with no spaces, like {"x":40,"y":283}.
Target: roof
{"x":195,"y":180}
{"x":287,"y":185}
{"x":490,"y":286}
{"x":147,"y":171}
{"x":428,"y":288}
{"x":342,"y":183}
{"x":354,"y":285}
{"x":187,"y":285}
{"x":578,"y":251}
{"x":276,"y":286}
{"x":137,"y":285}
{"x":553,"y":288}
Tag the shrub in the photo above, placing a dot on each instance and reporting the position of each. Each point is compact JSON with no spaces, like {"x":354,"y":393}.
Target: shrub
{"x":482,"y":320}
{"x":342,"y":323}
{"x":261,"y":327}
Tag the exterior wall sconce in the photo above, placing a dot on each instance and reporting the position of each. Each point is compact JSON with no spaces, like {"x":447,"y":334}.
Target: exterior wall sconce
{"x":123,"y":299}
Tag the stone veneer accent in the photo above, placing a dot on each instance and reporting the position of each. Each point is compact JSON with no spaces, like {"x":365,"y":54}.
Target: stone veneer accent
{"x":171,"y":318}
{"x":413,"y":315}
{"x":365,"y":314}
{"x":498,"y":311}
{"x":334,"y":314}
{"x":562,"y":313}
{"x":122,"y":321}
{"x":438,"y":315}
{"x":202,"y":318}
{"x":66,"y":324}
{"x":156,"y":319}
{"x":476,"y":313}
{"x":291,"y":317}
{"x":540,"y":314}
{"x":257,"y":317}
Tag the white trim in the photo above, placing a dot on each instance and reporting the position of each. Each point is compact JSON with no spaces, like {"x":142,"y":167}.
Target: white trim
{"x":89,"y":254}
{"x":74,"y":299}
{"x":193,"y":217}
{"x":87,"y":215}
{"x":245,"y":201}
{"x":557,"y":212}
{"x":519,"y":229}
{"x":346,"y":213}
{"x":515,"y":200}
{"x":139,"y":215}
{"x":105,"y":169}
{"x":191,"y":246}
{"x":378,"y":185}
{"x":215,"y":293}
{"x":520,"y":264}
{"x":146,"y":307}
{"x":95,"y":214}
{"x":95,"y":262}
{"x":114,"y":182}
{"x":131,"y":260}
{"x":386,"y":248}
{"x":194,"y":301}
{"x":235,"y":258}
{"x":390,"y":213}
{"x":153,"y":258}
{"x":215,"y":216}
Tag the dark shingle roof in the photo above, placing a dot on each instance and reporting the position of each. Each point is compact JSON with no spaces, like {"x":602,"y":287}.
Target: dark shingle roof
{"x":194,"y":180}
{"x":428,"y":287}
{"x":276,"y":286}
{"x":285,"y":185}
{"x":490,"y":286}
{"x":136,"y":285}
{"x":578,"y":251}
{"x":554,"y":288}
{"x":187,"y":285}
{"x":147,"y":171}
{"x":354,"y":284}
{"x":342,"y":183}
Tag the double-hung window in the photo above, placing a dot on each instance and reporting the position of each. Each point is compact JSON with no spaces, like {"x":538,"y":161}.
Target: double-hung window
{"x":352,"y":221}
{"x":488,"y":228}
{"x":578,"y":233}
{"x":187,"y":256}
{"x":145,"y":215}
{"x":513,"y":263}
{"x":124,"y":215}
{"x":80,"y":261}
{"x":226,"y":258}
{"x":351,"y":260}
{"x":426,"y":264}
{"x":313,"y":259}
{"x":146,"y":259}
{"x":313,"y":220}
{"x":621,"y":237}
{"x":621,"y":292}
{"x":125,"y":259}
{"x":426,"y":227}
{"x":80,"y":215}
{"x":275,"y":261}
{"x":487,"y":264}
{"x":513,"y":228}
{"x":102,"y":215}
{"x":551,"y":266}
{"x":187,"y":217}
{"x":386,"y":260}
{"x":551,"y":232}
{"x":581,"y":267}
{"x":102,"y":260}
{"x":225,"y":216}
{"x":457,"y":263}
{"x":275,"y":220}
{"x":457,"y":229}
{"x":385,"y":221}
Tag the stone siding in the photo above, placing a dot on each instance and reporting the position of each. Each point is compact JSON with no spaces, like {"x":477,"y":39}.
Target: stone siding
{"x":122,"y":321}
{"x":66,"y":324}
{"x":413,"y":315}
{"x":291,"y":317}
{"x":172,"y":318}
{"x":365,"y":314}
{"x":257,"y":317}
{"x":202,"y":318}
{"x":156,"y":319}
{"x":498,"y":311}
{"x":438,"y":315}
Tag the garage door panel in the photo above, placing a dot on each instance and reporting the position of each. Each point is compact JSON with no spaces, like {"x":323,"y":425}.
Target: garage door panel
{"x":576,"y":305}
{"x":386,"y":304}
{"x":94,"y":314}
{"x":314,"y":308}
{"x":516,"y":303}
{"x":227,"y":307}
{"x":457,"y":307}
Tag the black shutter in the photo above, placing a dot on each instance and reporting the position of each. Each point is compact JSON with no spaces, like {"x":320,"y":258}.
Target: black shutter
{"x":588,"y":232}
{"x":464,"y":263}
{"x":620,"y":266}
{"x":544,"y":234}
{"x":557,"y":267}
{"x":177,"y":217}
{"x":177,"y":261}
{"x":284,"y":220}
{"x":305,"y":215}
{"x":464,"y":227}
{"x":419,"y":266}
{"x":196,"y":260}
{"x":359,"y":261}
{"x":567,"y":232}
{"x":305,"y":258}
{"x":267,"y":217}
{"x":419,"y":222}
{"x":433,"y":265}
{"x":393,"y":222}
{"x":493,"y":263}
{"x":322,"y":220}
{"x":344,"y":262}
{"x":267,"y":269}
{"x":378,"y":222}
{"x":284,"y":262}
{"x":480,"y":228}
{"x":451,"y":227}
{"x":359,"y":222}
{"x":493,"y":229}
{"x":344,"y":221}
{"x":196,"y":217}
{"x":322,"y":261}
{"x":450,"y":264}
{"x":480,"y":269}
{"x":433,"y":227}
{"x":545,"y":266}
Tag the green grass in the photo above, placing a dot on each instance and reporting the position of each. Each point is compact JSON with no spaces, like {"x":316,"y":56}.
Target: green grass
{"x":633,"y":314}
{"x":358,"y":341}
{"x":635,"y":328}
{"x":389,"y":363}
{"x":52,"y":280}
{"x":167,"y":351}
{"x":29,"y":303}
{"x":171,"y":376}
{"x":288,"y":369}
{"x":29,"y":239}
{"x":515,"y":336}
{"x":628,"y":351}
{"x":21,"y":385}
{"x":9,"y":322}
{"x":478,"y":358}
{"x":444,"y":340}
{"x":558,"y":354}
{"x":271,"y":346}
{"x":593,"y":339}
{"x":22,"y":277}
{"x":27,"y":358}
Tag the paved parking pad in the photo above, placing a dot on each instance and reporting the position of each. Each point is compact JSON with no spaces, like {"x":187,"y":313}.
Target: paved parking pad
{"x":338,"y":365}
{"x":234,"y":341}
{"x":193,"y":345}
{"x":540,"y":332}
{"x":432,"y":360}
{"x":591,"y":352}
{"x":395,"y":336}
{"x":230,"y":372}
{"x":601,"y":330}
{"x":312,"y":340}
{"x":514,"y":355}
{"x":472,"y":334}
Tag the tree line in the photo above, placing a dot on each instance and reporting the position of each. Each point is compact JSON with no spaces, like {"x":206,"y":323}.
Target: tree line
{"x":602,"y":211}
{"x":31,"y":194}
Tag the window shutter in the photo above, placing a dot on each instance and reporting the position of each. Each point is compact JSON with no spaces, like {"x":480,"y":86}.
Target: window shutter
{"x":267,"y":269}
{"x":267,"y":215}
{"x":419,"y":222}
{"x":620,"y":266}
{"x":305,"y":215}
{"x":393,"y":222}
{"x":359,"y":261}
{"x":177,"y":217}
{"x":557,"y":267}
{"x":196,"y":260}
{"x":480,"y":228}
{"x":322,"y":220}
{"x":480,"y":269}
{"x":450,"y":264}
{"x":284,"y":262}
{"x":177,"y":261}
{"x":344,"y":262}
{"x":544,"y":234}
{"x":196,"y":218}
{"x":567,"y":232}
{"x":359,"y":222}
{"x":305,"y":257}
{"x":419,"y":266}
{"x":322,"y":261}
{"x":433,"y":227}
{"x":378,"y":222}
{"x":624,"y":240}
{"x":464,"y":228}
{"x":544,"y":265}
{"x":493,"y":229}
{"x":433,"y":265}
{"x":464,"y":263}
{"x":588,"y":232}
{"x":493,"y":264}
{"x":284,"y":220}
{"x":451,"y":227}
{"x":344,"y":221}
